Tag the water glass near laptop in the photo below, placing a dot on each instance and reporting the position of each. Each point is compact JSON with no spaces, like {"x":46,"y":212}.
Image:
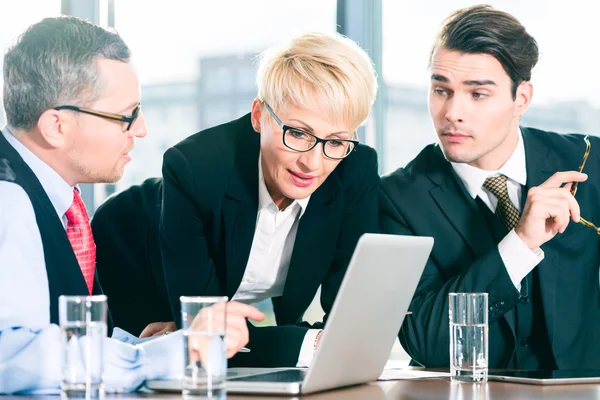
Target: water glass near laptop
{"x":83,"y":328}
{"x":205,"y":353}
{"x":468,"y":314}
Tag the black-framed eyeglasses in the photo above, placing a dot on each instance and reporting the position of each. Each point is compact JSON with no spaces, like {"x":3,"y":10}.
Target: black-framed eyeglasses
{"x":129,"y":119}
{"x":302,"y":141}
{"x":588,"y":148}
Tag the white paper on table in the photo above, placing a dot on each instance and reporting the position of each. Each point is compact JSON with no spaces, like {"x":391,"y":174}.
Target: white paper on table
{"x":127,"y":337}
{"x":400,"y":374}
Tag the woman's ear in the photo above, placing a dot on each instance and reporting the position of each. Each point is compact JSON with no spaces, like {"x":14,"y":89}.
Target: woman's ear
{"x":255,"y":114}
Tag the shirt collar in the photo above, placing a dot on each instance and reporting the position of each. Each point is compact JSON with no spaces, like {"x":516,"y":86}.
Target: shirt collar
{"x":264,"y":198}
{"x":514,"y":169}
{"x":59,"y":192}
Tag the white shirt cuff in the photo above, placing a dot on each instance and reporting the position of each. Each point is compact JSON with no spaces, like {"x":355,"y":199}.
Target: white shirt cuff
{"x":307,"y":350}
{"x":518,"y":259}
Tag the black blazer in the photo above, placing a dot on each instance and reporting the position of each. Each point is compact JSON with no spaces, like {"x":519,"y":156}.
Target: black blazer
{"x":427,"y":198}
{"x":128,"y":256}
{"x":210,"y":205}
{"x":64,"y":273}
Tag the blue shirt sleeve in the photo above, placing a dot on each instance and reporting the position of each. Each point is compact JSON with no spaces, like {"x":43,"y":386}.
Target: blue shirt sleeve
{"x":30,"y":361}
{"x":24,"y":294}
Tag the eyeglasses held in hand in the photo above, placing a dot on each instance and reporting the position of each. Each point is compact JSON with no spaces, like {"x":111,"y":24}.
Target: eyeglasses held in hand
{"x":588,"y":148}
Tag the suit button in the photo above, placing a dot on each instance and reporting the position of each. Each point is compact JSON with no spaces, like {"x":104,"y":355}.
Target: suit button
{"x":524,"y":299}
{"x":501,"y":303}
{"x":524,"y":342}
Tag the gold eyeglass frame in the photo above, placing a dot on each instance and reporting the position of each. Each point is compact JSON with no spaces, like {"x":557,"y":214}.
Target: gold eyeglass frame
{"x":588,"y":148}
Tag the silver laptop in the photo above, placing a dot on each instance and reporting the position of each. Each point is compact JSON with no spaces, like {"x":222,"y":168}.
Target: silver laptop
{"x":363,"y":324}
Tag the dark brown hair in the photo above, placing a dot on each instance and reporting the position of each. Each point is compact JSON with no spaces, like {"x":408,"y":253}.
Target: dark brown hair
{"x":483,"y":30}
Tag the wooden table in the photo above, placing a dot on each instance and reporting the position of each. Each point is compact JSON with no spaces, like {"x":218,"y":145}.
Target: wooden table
{"x":430,"y":389}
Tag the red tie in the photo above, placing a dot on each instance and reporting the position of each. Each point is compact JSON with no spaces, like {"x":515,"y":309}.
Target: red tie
{"x":79,"y":232}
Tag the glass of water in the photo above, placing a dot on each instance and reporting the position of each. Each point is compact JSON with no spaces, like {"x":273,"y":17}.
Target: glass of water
{"x":468,"y":336}
{"x":203,"y":320}
{"x":83,"y":328}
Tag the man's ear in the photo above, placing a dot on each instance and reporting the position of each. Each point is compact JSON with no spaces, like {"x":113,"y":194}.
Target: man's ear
{"x":53,"y":126}
{"x":523,"y":97}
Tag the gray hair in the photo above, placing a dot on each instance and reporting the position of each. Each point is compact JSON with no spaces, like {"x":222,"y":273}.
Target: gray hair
{"x":54,"y":63}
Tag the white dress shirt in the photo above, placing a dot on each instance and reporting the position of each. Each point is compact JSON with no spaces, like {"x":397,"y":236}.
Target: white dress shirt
{"x":270,"y":256}
{"x":518,"y":259}
{"x":28,"y":342}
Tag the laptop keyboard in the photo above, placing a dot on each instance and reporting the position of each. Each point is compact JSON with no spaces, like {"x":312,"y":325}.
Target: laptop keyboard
{"x":285,"y":376}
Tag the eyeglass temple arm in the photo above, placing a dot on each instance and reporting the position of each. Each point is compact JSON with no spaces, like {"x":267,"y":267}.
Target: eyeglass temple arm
{"x":583,"y":161}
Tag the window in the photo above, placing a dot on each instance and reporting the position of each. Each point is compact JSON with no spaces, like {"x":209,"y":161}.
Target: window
{"x":195,"y":62}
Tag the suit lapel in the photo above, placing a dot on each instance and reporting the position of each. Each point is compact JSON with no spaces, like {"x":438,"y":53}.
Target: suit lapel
{"x":240,"y":208}
{"x":462,"y":211}
{"x":314,"y":249}
{"x":541,"y":164}
{"x":457,"y":205}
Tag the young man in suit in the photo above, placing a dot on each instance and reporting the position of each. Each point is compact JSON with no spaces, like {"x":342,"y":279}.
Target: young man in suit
{"x":272,"y":205}
{"x":72,"y":103}
{"x":496,"y":198}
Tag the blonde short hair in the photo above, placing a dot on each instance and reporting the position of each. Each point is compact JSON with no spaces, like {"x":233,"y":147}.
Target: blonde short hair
{"x":318,"y":71}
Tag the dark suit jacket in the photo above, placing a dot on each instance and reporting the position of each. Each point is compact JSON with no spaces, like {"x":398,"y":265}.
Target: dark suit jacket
{"x":62,"y":267}
{"x":210,"y":205}
{"x":128,"y":256}
{"x":427,"y":198}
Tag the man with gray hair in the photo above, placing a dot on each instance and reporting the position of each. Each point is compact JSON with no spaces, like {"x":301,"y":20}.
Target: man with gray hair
{"x":72,"y":104}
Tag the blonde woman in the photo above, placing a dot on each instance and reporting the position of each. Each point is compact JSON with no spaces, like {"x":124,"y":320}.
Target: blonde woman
{"x":271,"y":205}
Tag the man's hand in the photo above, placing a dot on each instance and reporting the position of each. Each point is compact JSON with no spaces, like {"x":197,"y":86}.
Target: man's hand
{"x":548,"y":209}
{"x":157,"y":329}
{"x":236,"y":336}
